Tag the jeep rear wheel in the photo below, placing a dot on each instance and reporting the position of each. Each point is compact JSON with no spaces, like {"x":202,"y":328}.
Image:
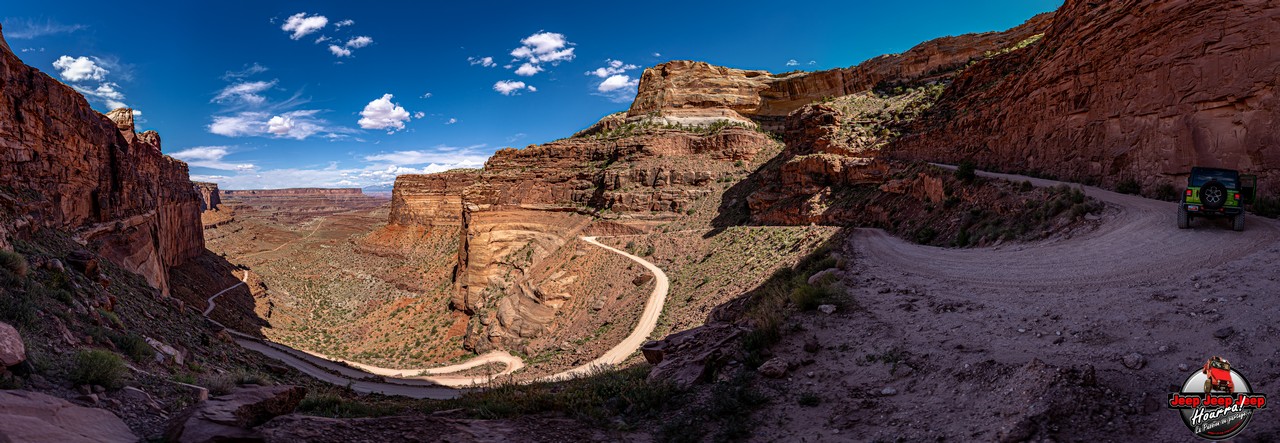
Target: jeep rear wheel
{"x":1208,"y":386}
{"x":1213,"y":195}
{"x":1184,"y":217}
{"x":1237,"y":222}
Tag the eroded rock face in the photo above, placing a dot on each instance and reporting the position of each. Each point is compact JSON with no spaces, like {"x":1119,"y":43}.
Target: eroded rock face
{"x":209,"y":196}
{"x":1121,"y":90}
{"x":232,"y":417}
{"x":73,"y":169}
{"x":34,"y":417}
{"x":430,"y":200}
{"x":12,"y":350}
{"x":696,"y":91}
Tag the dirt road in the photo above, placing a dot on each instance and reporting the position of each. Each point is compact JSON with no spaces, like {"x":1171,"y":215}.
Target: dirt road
{"x":435,"y":382}
{"x":1078,"y":337}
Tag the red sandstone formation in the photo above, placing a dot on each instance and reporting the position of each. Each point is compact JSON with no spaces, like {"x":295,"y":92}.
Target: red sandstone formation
{"x":1121,"y":90}
{"x":65,"y":166}
{"x":209,"y":197}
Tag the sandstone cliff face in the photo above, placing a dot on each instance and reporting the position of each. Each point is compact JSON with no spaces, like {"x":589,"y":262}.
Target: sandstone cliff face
{"x":430,"y":200}
{"x":209,"y":196}
{"x":684,"y":90}
{"x":291,"y":192}
{"x":65,"y":166}
{"x":1122,"y":90}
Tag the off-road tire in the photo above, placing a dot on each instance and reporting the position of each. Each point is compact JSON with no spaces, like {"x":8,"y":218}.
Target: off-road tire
{"x":1237,"y":222}
{"x":1208,"y":386}
{"x":1213,"y":195}
{"x":1184,"y":217}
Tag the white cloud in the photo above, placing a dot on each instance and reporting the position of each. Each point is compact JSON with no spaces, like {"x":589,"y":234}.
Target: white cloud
{"x":322,"y":39}
{"x":441,"y":154}
{"x":482,"y":61}
{"x":427,"y":95}
{"x":210,"y":157}
{"x":32,"y":49}
{"x":528,"y":70}
{"x":813,"y":62}
{"x":510,"y":87}
{"x":657,"y":54}
{"x":248,"y":70}
{"x":616,"y":82}
{"x":339,"y":51}
{"x":136,"y":113}
{"x":419,"y":114}
{"x":28,"y":29}
{"x":383,"y":114}
{"x":532,"y":89}
{"x":245,"y":92}
{"x":612,"y":67}
{"x":297,"y":125}
{"x":106,"y":92}
{"x":79,"y":68}
{"x":301,"y":24}
{"x":544,"y":47}
{"x":359,"y":41}
{"x":792,"y":62}
{"x":451,"y":121}
{"x":347,"y":22}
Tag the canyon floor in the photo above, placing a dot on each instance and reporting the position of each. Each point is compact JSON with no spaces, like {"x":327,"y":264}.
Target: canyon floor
{"x":1081,"y":336}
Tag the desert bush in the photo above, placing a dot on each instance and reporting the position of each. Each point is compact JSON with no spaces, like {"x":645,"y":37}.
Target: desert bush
{"x":13,"y":262}
{"x":1267,"y":206}
{"x":97,"y":367}
{"x":1129,"y":186}
{"x":965,"y":171}
{"x":1167,"y":192}
{"x":133,"y":346}
{"x":809,"y":399}
{"x":18,"y":308}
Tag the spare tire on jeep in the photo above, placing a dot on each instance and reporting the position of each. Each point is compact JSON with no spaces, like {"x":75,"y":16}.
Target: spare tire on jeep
{"x":1213,"y":195}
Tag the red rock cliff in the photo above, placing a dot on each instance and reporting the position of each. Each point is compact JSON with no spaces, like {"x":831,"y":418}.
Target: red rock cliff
{"x":430,"y":200}
{"x":67,"y":167}
{"x":209,"y":195}
{"x":1122,"y":90}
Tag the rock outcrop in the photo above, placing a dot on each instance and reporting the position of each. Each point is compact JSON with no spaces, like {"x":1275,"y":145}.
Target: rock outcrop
{"x":291,"y":192}
{"x":209,"y":196}
{"x":65,"y":166}
{"x":12,"y":350}
{"x":1122,"y":90}
{"x":34,"y":417}
{"x":430,"y":200}
{"x":697,"y":92}
{"x":232,"y":417}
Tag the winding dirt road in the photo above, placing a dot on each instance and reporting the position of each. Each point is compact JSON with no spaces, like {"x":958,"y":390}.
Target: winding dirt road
{"x":435,"y":382}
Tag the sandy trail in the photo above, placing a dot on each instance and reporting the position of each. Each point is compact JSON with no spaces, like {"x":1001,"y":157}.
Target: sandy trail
{"x":435,"y":382}
{"x":1133,"y":298}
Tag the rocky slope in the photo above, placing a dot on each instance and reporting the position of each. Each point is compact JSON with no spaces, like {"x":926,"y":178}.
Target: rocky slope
{"x":67,"y":167}
{"x":697,"y":92}
{"x":1124,"y":90}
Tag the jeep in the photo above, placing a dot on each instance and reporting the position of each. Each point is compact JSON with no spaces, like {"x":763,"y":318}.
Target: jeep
{"x":1217,"y":373}
{"x":1214,"y":192}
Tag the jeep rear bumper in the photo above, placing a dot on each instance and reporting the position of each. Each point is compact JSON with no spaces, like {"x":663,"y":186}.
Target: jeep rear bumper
{"x":1196,"y":209}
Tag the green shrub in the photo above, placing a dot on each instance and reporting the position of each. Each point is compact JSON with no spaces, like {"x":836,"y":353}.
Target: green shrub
{"x":14,"y":262}
{"x":1026,"y":186}
{"x":925,"y":235}
{"x":1167,"y":192}
{"x":965,"y":172}
{"x":1129,"y":186}
{"x":1267,"y":206}
{"x":97,"y":367}
{"x":18,"y":307}
{"x":134,"y":346}
{"x":809,"y":399}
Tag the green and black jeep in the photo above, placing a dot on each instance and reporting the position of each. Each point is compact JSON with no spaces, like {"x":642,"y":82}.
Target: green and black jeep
{"x":1213,"y":192}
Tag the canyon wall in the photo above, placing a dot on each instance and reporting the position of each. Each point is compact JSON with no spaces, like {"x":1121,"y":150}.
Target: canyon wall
{"x":695,"y":91}
{"x":430,"y":200}
{"x":66,"y":167}
{"x":209,"y":196}
{"x":1122,"y":90}
{"x":291,"y":192}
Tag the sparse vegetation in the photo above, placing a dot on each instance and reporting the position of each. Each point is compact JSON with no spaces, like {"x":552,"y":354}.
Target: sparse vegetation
{"x":1267,"y":206}
{"x":1129,"y":186}
{"x":965,"y":172}
{"x":14,"y":262}
{"x":134,"y":346}
{"x":809,"y":398}
{"x":1167,"y":192}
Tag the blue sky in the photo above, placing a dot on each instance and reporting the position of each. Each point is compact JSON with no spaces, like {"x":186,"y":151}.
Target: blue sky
{"x":281,"y":94}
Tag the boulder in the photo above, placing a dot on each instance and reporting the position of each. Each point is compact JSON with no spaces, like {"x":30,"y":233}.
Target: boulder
{"x":34,"y":417}
{"x":12,"y":351}
{"x":692,"y":356}
{"x":232,"y":417}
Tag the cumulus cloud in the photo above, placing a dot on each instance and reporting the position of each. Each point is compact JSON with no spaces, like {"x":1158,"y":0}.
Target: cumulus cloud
{"x":451,"y":121}
{"x":482,"y":61}
{"x":528,"y":70}
{"x":301,"y":24}
{"x":792,"y":62}
{"x":240,"y":124}
{"x":210,"y":157}
{"x":381,"y":113}
{"x":419,"y":114}
{"x":511,"y":87}
{"x":612,"y":67}
{"x":244,"y":92}
{"x":347,"y":22}
{"x":427,"y":95}
{"x":79,"y":68}
{"x":359,"y":41}
{"x":339,"y":51}
{"x":249,"y":70}
{"x":544,"y":47}
{"x":297,"y":125}
{"x":616,"y":82}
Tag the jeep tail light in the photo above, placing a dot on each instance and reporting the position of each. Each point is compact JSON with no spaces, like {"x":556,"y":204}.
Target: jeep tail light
{"x":1237,"y":196}
{"x":1188,"y":193}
